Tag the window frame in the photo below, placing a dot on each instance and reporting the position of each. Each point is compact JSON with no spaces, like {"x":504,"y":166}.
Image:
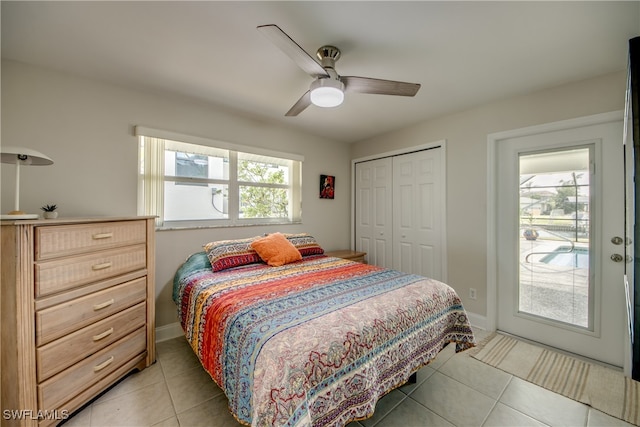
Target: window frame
{"x":152,"y":178}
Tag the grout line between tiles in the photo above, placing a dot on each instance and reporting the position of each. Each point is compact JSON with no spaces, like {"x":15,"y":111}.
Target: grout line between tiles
{"x":390,"y":410}
{"x":512,"y":408}
{"x":495,"y":403}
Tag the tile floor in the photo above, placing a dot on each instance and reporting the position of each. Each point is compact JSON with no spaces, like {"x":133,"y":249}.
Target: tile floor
{"x":454,"y":390}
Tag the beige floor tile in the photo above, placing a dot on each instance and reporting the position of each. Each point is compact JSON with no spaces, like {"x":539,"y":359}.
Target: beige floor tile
{"x":212,"y":413}
{"x":503,"y":416}
{"x":172,"y":345}
{"x":411,"y":414}
{"x":177,"y":362}
{"x":443,"y":356}
{"x":80,"y":418}
{"x":477,"y":375}
{"x":134,"y":381}
{"x":544,"y":405}
{"x":457,"y":403}
{"x":385,"y":405}
{"x":191,"y":388}
{"x":169,"y":422}
{"x":600,"y":419}
{"x":143,"y":407}
{"x":422,"y":376}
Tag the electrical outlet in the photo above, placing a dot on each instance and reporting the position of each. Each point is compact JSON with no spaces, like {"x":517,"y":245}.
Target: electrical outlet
{"x":472,"y":293}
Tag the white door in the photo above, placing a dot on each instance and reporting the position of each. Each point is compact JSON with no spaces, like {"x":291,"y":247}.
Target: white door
{"x":560,"y":239}
{"x":417,"y":206}
{"x":373,"y":213}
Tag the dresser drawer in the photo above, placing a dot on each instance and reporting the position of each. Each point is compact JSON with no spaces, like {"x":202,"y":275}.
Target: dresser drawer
{"x":57,"y":241}
{"x":66,"y":273}
{"x":62,"y":319}
{"x":64,"y":386}
{"x":66,"y":351}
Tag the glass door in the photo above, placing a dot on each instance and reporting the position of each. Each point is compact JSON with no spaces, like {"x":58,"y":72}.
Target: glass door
{"x":560,"y":247}
{"x":555,"y":267}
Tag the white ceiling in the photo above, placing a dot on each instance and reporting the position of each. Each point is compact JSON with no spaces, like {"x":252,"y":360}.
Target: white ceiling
{"x":463,"y":53}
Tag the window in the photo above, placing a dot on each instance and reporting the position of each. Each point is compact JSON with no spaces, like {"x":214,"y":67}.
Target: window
{"x":191,"y":165}
{"x":555,"y":266}
{"x":192,"y":182}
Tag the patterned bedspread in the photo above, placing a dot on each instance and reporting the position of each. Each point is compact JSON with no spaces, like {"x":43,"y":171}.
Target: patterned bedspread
{"x":315,"y":342}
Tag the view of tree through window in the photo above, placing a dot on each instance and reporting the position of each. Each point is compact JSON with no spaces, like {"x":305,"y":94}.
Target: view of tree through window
{"x":259,"y":201}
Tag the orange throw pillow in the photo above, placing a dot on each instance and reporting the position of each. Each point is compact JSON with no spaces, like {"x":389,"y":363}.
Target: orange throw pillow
{"x":276,"y":250}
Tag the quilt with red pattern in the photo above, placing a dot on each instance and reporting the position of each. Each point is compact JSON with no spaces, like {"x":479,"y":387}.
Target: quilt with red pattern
{"x":316,"y":342}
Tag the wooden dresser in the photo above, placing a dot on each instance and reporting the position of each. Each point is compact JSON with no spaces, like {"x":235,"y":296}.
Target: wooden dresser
{"x":77,"y":312}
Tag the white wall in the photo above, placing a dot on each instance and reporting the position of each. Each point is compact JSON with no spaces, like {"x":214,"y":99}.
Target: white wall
{"x":466,"y":135}
{"x":86,"y":127}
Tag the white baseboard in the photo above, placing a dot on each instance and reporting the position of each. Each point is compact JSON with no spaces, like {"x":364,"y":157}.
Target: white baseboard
{"x":478,"y":320}
{"x":174,"y":330}
{"x":170,"y":331}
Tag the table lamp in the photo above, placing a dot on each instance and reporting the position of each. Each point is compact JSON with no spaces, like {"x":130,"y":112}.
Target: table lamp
{"x":21,"y":157}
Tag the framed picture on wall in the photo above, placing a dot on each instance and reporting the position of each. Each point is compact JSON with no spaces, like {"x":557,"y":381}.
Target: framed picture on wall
{"x":327,"y":186}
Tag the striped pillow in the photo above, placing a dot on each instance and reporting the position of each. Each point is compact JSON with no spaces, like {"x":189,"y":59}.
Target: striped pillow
{"x":225,"y":254}
{"x":305,"y":243}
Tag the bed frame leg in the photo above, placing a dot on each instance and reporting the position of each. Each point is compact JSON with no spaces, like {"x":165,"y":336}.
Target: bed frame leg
{"x":413,"y":378}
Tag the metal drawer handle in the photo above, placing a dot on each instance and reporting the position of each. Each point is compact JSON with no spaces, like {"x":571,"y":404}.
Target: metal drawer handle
{"x":102,"y":236}
{"x":103,"y":365}
{"x":105,"y":304}
{"x":103,"y":335}
{"x":102,"y":266}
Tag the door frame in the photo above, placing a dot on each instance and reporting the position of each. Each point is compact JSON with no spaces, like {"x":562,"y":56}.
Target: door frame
{"x":492,"y":199}
{"x":442,"y":144}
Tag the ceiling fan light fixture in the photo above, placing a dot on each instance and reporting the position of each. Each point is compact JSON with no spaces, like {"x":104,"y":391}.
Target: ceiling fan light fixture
{"x":327,"y":92}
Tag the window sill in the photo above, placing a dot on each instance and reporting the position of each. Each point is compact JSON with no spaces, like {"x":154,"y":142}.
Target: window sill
{"x":204,"y":226}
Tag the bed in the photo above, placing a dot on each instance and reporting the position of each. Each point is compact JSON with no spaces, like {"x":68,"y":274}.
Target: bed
{"x":313,"y":341}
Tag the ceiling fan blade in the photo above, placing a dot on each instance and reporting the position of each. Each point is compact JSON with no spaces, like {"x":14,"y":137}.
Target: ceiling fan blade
{"x":298,"y":107}
{"x":293,"y":50}
{"x":378,"y":86}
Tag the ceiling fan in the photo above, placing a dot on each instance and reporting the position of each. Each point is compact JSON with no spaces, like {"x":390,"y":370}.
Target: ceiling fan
{"x":328,"y":88}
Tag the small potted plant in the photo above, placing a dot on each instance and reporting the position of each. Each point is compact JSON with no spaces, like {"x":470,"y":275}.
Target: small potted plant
{"x":50,"y":211}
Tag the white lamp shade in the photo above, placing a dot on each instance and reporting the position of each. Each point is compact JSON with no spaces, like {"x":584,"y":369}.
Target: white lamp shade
{"x":20,"y":156}
{"x":327,"y":92}
{"x":24,"y":156}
